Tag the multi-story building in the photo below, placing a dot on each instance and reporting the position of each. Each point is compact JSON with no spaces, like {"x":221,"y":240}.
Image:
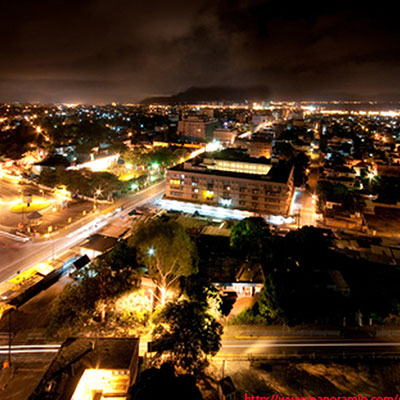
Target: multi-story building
{"x":257,"y":146}
{"x":197,"y":128}
{"x":225,"y":135}
{"x":252,"y":186}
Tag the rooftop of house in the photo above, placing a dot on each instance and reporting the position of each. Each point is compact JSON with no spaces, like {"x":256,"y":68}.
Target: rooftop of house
{"x":100,"y":243}
{"x":80,"y":354}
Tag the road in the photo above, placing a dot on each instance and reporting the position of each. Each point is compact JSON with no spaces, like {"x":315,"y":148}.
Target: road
{"x":24,"y":255}
{"x":307,"y":347}
{"x":260,"y":347}
{"x":304,"y":207}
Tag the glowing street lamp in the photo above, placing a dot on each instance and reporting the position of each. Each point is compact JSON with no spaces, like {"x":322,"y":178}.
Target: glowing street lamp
{"x":371,"y":175}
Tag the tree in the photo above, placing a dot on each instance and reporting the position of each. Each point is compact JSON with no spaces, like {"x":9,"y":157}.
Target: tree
{"x":250,"y":236}
{"x":270,"y":299}
{"x":95,"y":288}
{"x":189,"y":333}
{"x":197,"y":288}
{"x":301,"y":163}
{"x":156,"y":383}
{"x":167,"y":252}
{"x":307,"y":246}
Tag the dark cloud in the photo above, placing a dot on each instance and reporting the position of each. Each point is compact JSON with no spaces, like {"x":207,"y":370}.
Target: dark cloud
{"x":124,"y":50}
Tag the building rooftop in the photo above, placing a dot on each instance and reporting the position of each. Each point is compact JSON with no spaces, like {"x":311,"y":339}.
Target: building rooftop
{"x":236,"y":155}
{"x":278,"y":173}
{"x":100,"y":243}
{"x":82,"y":354}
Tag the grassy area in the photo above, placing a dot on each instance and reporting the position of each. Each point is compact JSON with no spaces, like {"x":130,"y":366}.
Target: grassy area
{"x":37,"y":204}
{"x":317,"y":378}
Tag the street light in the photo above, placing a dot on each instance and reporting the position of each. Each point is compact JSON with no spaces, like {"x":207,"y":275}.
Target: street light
{"x":371,"y":175}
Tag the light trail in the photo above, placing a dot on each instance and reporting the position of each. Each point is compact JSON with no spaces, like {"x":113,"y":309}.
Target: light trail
{"x":31,"y":346}
{"x":71,"y":238}
{"x":29,"y":351}
{"x":348,"y":344}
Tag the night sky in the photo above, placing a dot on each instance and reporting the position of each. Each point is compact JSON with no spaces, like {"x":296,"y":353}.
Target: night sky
{"x":102,"y":51}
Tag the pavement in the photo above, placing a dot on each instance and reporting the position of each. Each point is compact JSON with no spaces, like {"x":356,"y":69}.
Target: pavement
{"x":314,"y":347}
{"x":24,"y":255}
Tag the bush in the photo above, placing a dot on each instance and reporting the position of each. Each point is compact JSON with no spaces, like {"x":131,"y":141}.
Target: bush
{"x":249,"y":316}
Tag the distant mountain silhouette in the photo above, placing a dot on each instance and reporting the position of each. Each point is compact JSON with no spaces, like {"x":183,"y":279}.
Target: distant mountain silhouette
{"x":225,"y":94}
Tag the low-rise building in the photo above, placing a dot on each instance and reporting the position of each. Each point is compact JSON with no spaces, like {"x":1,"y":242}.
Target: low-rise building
{"x":97,"y":244}
{"x":91,"y":368}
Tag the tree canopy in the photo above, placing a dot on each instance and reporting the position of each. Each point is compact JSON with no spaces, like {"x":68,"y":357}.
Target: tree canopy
{"x":83,"y":181}
{"x":188,"y":332}
{"x":250,"y":236}
{"x":95,"y":288}
{"x":167,"y":252}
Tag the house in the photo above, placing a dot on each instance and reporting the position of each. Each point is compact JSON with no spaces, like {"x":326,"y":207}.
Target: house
{"x":330,"y":280}
{"x":338,"y":217}
{"x":246,"y":280}
{"x":337,"y":282}
{"x":97,"y":244}
{"x":91,"y":368}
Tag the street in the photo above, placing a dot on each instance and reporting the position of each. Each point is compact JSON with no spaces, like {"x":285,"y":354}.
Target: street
{"x":23,"y":255}
{"x":307,"y":347}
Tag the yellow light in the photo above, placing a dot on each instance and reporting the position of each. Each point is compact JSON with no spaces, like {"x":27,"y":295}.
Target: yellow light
{"x":110,"y":383}
{"x":62,"y":193}
{"x":128,"y":177}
